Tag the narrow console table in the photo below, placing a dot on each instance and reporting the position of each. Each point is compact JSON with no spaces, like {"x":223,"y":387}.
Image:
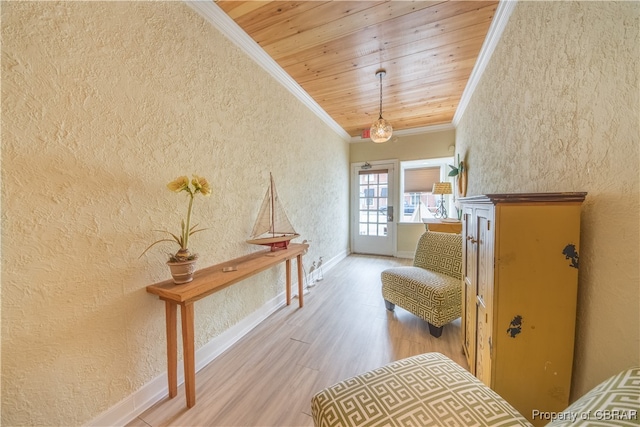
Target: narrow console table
{"x":205,"y":282}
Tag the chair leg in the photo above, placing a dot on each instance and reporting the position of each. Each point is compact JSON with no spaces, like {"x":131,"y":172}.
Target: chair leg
{"x":390,"y":306}
{"x":435,"y":331}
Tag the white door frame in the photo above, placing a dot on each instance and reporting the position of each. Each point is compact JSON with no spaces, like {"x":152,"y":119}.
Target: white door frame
{"x":394,"y":198}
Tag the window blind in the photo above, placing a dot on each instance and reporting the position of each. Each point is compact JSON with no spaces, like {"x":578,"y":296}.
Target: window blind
{"x":420,"y":180}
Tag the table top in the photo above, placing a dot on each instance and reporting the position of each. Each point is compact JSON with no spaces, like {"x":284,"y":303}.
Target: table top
{"x":212,"y":279}
{"x":440,"y":221}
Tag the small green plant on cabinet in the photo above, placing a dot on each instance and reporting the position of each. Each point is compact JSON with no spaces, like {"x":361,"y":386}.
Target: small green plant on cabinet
{"x":198,"y":185}
{"x":455,"y":171}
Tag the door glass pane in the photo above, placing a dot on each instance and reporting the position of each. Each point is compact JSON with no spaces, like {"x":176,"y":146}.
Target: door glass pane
{"x":373,"y":203}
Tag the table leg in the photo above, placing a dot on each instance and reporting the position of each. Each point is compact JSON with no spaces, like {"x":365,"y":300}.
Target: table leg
{"x":188,"y":352}
{"x":288,"y":281}
{"x":300,"y":283}
{"x":171,"y":309}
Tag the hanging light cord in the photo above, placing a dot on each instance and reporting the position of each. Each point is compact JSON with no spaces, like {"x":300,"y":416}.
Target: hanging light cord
{"x":380,"y":97}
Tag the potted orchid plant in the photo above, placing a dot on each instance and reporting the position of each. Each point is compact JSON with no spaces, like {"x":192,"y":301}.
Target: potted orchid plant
{"x":182,"y":263}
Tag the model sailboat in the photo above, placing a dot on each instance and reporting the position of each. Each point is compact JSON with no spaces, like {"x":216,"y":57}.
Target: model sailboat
{"x":272,"y":227}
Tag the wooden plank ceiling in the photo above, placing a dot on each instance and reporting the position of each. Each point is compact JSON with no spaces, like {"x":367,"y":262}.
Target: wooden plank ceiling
{"x":334,"y":48}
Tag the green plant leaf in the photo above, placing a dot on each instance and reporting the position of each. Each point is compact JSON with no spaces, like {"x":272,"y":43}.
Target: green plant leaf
{"x":197,"y":231}
{"x":177,"y":239}
{"x":153,"y":244}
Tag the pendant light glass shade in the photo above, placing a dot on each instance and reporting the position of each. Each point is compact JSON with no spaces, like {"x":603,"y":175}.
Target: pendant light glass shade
{"x":381,"y":129}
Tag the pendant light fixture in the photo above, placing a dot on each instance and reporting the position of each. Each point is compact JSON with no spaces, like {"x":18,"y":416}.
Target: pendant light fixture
{"x":381,"y":130}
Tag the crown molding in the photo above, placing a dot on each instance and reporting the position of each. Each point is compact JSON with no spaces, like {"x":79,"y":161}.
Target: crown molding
{"x":503,"y":12}
{"x":221,"y":21}
{"x":414,"y":131}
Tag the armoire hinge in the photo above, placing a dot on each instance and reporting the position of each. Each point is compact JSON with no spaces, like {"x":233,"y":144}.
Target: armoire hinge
{"x":488,"y":225}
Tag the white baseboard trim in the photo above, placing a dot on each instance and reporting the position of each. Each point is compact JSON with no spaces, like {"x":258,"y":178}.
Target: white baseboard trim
{"x":405,"y":254}
{"x":333,"y":261}
{"x":157,"y":389}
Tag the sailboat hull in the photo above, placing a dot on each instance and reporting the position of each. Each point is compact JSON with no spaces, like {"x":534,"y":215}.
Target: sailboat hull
{"x":275,"y":243}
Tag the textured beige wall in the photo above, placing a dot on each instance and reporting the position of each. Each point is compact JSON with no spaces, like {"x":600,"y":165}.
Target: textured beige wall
{"x":409,"y":147}
{"x":557,"y":110}
{"x":103,"y":103}
{"x":408,"y":236}
{"x":404,"y":148}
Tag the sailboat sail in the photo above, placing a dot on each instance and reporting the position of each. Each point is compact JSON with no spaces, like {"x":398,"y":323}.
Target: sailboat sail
{"x":263,"y":222}
{"x":272,"y":227}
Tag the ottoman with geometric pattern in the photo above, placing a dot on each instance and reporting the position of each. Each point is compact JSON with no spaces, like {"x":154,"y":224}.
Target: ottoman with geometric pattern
{"x":431,"y":288}
{"x":425,"y":390}
{"x":613,"y":403}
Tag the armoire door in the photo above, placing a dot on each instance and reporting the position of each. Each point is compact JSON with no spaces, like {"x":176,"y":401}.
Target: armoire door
{"x":484,"y":245}
{"x":469,"y":317}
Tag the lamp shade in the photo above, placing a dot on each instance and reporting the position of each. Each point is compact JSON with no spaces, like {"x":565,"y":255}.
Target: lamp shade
{"x":442,"y":188}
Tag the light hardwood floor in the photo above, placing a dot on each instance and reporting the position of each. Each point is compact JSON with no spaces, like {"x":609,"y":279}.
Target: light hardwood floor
{"x":270,"y":375}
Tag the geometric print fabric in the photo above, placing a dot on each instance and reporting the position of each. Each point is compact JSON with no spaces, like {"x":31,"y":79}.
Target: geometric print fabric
{"x":432,"y":288}
{"x":614,"y":402}
{"x":433,"y":297}
{"x":440,"y":252}
{"x":425,"y":390}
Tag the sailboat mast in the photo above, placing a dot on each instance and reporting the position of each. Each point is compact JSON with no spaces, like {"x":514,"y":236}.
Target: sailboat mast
{"x":273,"y":204}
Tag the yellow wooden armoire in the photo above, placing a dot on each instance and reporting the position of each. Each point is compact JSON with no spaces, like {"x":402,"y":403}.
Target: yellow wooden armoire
{"x":520,"y":265}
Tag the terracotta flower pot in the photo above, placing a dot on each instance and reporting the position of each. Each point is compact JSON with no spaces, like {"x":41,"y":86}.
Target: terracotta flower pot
{"x":182,"y":271}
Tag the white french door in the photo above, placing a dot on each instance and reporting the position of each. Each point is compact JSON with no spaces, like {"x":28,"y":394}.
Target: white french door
{"x":372,"y":208}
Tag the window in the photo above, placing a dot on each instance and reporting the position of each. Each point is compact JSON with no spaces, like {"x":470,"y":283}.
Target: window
{"x":416,"y":182}
{"x":373,"y":202}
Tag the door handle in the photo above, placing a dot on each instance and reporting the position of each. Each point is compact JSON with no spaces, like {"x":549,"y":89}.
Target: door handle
{"x":389,"y":213}
{"x":471,"y":239}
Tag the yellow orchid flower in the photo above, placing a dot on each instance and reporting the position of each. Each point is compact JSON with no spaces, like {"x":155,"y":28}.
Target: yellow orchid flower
{"x":179,"y":184}
{"x":201,"y":184}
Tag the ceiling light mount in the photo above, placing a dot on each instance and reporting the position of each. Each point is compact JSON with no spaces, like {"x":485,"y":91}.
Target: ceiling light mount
{"x":380,"y":130}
